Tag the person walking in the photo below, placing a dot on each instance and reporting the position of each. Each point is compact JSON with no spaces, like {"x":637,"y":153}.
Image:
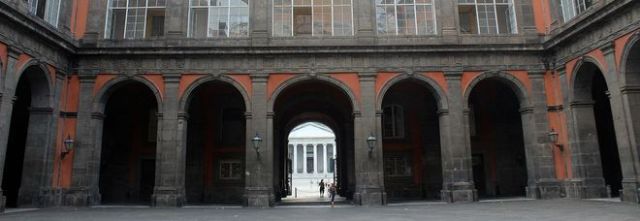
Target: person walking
{"x":332,"y":193}
{"x":321,"y":184}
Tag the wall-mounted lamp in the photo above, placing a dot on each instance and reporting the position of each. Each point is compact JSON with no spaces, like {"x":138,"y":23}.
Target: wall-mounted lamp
{"x":553,"y":139}
{"x":371,"y":142}
{"x":256,"y":144}
{"x":68,"y":146}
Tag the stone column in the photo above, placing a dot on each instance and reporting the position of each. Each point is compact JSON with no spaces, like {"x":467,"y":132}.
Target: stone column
{"x":457,"y":171}
{"x":628,"y":154}
{"x":259,"y":188}
{"x":304,"y":158}
{"x":586,"y":165}
{"x":86,"y":161}
{"x":295,"y":159}
{"x":6,"y":107}
{"x":542,"y":182}
{"x":170,"y":154}
{"x":368,"y":164}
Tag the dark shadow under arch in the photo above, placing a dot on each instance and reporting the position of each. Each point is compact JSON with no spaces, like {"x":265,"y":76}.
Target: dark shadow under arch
{"x":128,"y":149}
{"x":216,"y":140}
{"x":30,"y":138}
{"x":411,"y":141}
{"x":499,"y":156}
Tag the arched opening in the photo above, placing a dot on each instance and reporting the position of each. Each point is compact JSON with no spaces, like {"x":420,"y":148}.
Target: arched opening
{"x":128,"y":158}
{"x":215,"y":158}
{"x":497,"y":142}
{"x":411,"y":142}
{"x":314,"y":101}
{"x":311,"y":159}
{"x":631,"y":96}
{"x":27,"y":141}
{"x":595,"y":117}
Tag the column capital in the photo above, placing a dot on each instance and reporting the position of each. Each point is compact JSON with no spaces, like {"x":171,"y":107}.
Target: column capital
{"x":608,"y":48}
{"x":259,"y":77}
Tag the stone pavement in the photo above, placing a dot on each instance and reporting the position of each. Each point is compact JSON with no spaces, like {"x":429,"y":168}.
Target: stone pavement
{"x":521,"y":210}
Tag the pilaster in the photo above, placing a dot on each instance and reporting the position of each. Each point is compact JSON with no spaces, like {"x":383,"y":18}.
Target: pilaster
{"x":456,"y":147}
{"x":259,"y":182}
{"x":369,"y":169}
{"x":169,"y":185}
{"x":544,"y":184}
{"x":6,"y":108}
{"x":86,"y":163}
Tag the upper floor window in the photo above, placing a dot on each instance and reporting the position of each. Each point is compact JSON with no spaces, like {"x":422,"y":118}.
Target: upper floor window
{"x":487,"y":17}
{"x":393,"y":121}
{"x":218,"y":18}
{"x":312,"y":18}
{"x":406,"y":17}
{"x":571,"y":8}
{"x":48,"y":10}
{"x":135,"y":19}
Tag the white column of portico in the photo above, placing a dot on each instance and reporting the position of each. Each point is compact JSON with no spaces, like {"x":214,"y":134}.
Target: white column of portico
{"x":324,"y":159}
{"x":304,"y":157}
{"x":295,"y":158}
{"x":316,"y":157}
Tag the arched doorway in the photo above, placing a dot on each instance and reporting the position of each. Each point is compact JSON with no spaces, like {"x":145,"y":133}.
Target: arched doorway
{"x":314,"y":101}
{"x":631,"y":95}
{"x":216,"y":139}
{"x":311,"y":160}
{"x":28,"y":139}
{"x":497,"y":142}
{"x":597,"y":155}
{"x":128,"y":155}
{"x":411,"y":142}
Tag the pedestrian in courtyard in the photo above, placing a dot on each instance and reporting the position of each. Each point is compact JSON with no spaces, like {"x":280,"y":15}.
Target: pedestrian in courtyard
{"x":332,"y":193}
{"x":321,"y":184}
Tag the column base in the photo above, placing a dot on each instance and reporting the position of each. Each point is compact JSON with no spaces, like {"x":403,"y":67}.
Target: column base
{"x":81,"y":197}
{"x":168,"y":197}
{"x":370,"y":196}
{"x":52,"y":197}
{"x":630,"y":192}
{"x":259,"y":197}
{"x":545,"y":190}
{"x":3,"y":201}
{"x":462,"y":192}
{"x":579,"y":189}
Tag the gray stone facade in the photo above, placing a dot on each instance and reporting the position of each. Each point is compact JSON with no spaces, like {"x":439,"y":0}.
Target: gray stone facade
{"x":315,"y":60}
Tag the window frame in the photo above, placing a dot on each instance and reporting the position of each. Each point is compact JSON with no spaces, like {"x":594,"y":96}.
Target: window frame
{"x":209,"y":7}
{"x":576,"y":8}
{"x":415,"y":5}
{"x":109,"y":13}
{"x":33,"y":10}
{"x":397,"y":124}
{"x":230,"y":176}
{"x":292,"y":7}
{"x":475,"y":4}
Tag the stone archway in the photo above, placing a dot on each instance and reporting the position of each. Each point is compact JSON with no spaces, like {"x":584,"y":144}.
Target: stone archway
{"x":128,"y":145}
{"x":411,"y":139}
{"x":497,"y":139}
{"x":314,"y":99}
{"x":595,"y":159}
{"x":29,"y":137}
{"x":215,"y":143}
{"x":630,"y":93}
{"x":94,"y":126}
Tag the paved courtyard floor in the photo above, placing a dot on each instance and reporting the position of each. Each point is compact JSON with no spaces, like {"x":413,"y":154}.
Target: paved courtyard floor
{"x":520,"y":210}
